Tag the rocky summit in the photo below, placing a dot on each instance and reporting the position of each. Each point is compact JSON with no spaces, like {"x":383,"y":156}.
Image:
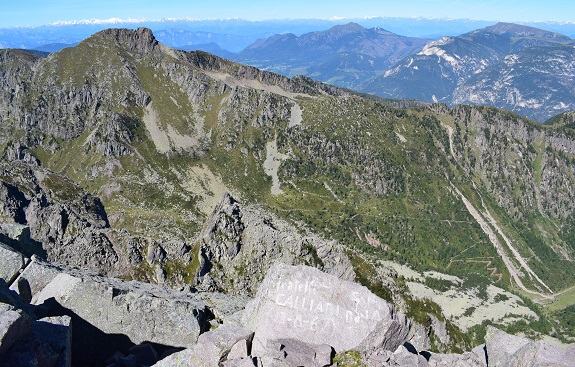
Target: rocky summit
{"x":300,"y":316}
{"x":176,"y":208}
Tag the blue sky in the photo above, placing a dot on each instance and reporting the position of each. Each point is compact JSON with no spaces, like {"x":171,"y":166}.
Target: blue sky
{"x":38,"y":12}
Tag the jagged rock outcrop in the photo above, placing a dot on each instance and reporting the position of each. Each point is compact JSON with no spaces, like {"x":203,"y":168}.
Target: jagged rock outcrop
{"x":66,"y":224}
{"x":143,"y":312}
{"x":239,"y":243}
{"x":141,"y":39}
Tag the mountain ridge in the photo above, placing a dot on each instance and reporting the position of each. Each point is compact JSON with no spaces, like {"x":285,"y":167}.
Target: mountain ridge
{"x":436,"y":73}
{"x":344,"y":54}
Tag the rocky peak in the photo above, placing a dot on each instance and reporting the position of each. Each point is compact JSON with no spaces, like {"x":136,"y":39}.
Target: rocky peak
{"x":20,"y":55}
{"x":563,"y":119}
{"x":350,"y":27}
{"x":236,"y":234}
{"x":141,"y":39}
{"x":518,"y":30}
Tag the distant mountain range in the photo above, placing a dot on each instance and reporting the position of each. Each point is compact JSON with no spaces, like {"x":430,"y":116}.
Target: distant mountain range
{"x":345,"y":55}
{"x":515,"y":67}
{"x":521,"y":68}
{"x":193,"y":31}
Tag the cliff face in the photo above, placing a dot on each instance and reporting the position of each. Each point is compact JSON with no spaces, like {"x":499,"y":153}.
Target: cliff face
{"x":65,"y":223}
{"x":324,"y":177}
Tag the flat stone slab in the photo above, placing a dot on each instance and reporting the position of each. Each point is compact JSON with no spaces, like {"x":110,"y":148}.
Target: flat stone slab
{"x":143,"y":312}
{"x":298,"y":353}
{"x":38,"y":273}
{"x":303,"y":303}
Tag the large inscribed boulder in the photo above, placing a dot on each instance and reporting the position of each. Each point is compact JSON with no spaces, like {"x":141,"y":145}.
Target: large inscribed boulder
{"x":301,"y":302}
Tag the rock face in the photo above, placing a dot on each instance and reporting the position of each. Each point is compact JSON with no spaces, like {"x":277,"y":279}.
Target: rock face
{"x":303,"y":303}
{"x":65,"y":223}
{"x":515,"y":67}
{"x":235,"y":235}
{"x":510,"y":350}
{"x":10,"y":262}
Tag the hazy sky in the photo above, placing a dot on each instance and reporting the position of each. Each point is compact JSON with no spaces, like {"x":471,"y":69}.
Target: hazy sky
{"x":38,"y":12}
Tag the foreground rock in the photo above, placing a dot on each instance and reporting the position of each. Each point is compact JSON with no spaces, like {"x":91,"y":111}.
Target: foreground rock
{"x":298,"y":353}
{"x":300,"y":317}
{"x":10,"y":263}
{"x":214,"y":348}
{"x":139,"y":311}
{"x":510,"y":350}
{"x":300,"y":302}
{"x":25,"y":341}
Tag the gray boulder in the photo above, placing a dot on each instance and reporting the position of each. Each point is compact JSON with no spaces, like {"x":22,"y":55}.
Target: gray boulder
{"x":239,"y":362}
{"x":14,"y":325}
{"x":509,"y":350}
{"x":116,"y":308}
{"x":301,"y":302}
{"x":297,"y":353}
{"x":456,"y":360}
{"x":142,"y":312}
{"x":178,"y":359}
{"x":212,"y":349}
{"x":38,"y":274}
{"x":11,"y":262}
{"x":479,"y":351}
{"x":267,"y":361}
{"x":240,"y":350}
